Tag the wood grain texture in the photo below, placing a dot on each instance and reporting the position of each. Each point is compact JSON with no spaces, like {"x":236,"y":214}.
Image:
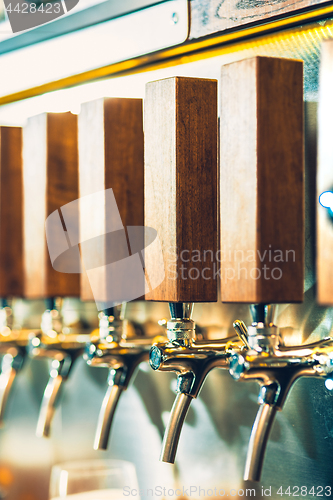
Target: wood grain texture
{"x":50,"y":162}
{"x":210,"y":16}
{"x":261,"y":181}
{"x":181,"y":186}
{"x":111,"y":156}
{"x":325,"y":178}
{"x":11,"y":212}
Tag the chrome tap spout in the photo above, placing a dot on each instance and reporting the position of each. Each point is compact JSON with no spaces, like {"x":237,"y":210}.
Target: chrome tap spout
{"x":11,"y":364}
{"x":174,"y":427}
{"x":258,"y":441}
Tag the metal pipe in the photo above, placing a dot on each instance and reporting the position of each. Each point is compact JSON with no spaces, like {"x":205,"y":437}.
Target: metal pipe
{"x":258,"y":442}
{"x":173,"y":430}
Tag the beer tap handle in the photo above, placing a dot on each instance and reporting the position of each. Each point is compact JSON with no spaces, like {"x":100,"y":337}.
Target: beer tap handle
{"x":50,"y":154}
{"x":11,"y":254}
{"x":262,"y":199}
{"x":181,"y":116}
{"x":262,"y":181}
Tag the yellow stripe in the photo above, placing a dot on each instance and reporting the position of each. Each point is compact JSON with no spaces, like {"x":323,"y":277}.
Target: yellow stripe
{"x":191,"y":51}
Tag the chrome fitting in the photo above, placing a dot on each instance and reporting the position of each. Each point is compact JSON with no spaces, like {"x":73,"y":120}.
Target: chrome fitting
{"x":179,"y":330}
{"x":263,"y":338}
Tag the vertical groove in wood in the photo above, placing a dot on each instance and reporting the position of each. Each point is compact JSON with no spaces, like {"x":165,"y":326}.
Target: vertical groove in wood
{"x":11,"y":212}
{"x":50,"y":181}
{"x":181,"y":186}
{"x":111,"y":156}
{"x":262,"y":181}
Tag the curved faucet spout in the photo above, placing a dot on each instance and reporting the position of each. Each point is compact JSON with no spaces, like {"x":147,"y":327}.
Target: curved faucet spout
{"x":6,"y":381}
{"x":258,"y":442}
{"x":106,"y":416}
{"x":116,"y":386}
{"x":121,"y":350}
{"x":10,"y":366}
{"x":58,"y":375}
{"x":48,"y":406}
{"x":174,"y":428}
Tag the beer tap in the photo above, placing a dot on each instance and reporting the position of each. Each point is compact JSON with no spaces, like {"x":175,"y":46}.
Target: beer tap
{"x":13,"y":338}
{"x":276,"y":368}
{"x":13,"y":350}
{"x":112,"y":236}
{"x":191,"y":359}
{"x":262,"y":200}
{"x":62,"y":346}
{"x":50,"y":168}
{"x":122,"y":350}
{"x":181,"y":204}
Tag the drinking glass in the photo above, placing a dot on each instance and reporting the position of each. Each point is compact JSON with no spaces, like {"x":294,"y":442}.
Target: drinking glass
{"x":94,"y":480}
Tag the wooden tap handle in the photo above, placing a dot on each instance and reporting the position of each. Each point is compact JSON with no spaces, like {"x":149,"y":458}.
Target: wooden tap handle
{"x":261,"y":181}
{"x":50,"y":166}
{"x":181,"y":188}
{"x":11,"y":220}
{"x":110,"y":157}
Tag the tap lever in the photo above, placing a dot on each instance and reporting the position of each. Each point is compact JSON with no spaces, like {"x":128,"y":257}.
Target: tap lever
{"x":241,"y":331}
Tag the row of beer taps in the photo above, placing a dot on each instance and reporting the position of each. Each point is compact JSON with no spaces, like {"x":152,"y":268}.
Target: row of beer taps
{"x":256,"y":352}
